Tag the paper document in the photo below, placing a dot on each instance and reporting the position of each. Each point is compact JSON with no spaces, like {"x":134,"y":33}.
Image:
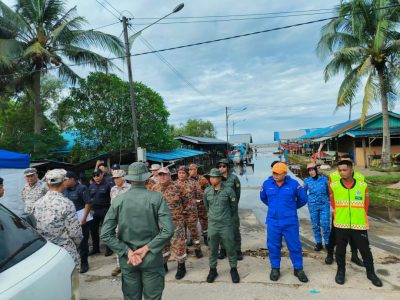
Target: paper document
{"x":80,"y":215}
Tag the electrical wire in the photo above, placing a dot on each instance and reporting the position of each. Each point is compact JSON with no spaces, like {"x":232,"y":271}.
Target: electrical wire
{"x":106,"y":8}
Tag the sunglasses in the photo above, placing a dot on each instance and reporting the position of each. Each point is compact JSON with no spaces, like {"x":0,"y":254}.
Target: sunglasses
{"x":222,"y":166}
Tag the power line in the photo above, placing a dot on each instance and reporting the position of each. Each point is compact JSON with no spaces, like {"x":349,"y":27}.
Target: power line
{"x":106,"y":8}
{"x":116,"y":10}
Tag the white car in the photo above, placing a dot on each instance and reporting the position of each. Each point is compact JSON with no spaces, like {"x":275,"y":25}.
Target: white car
{"x":31,"y":267}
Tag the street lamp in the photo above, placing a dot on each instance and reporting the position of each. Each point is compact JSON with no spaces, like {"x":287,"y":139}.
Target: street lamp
{"x":128,"y":42}
{"x":227,"y":115}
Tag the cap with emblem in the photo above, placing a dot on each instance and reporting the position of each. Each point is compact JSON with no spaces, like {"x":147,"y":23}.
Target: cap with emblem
{"x":137,"y":172}
{"x":115,"y":167}
{"x":118,"y":173}
{"x":214,"y":172}
{"x":155,"y":167}
{"x":30,"y":171}
{"x":164,"y":170}
{"x":55,"y":176}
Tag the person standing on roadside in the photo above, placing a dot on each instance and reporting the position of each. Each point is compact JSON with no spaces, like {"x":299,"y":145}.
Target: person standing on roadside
{"x":33,"y":189}
{"x":334,"y":177}
{"x":283,"y":196}
{"x":350,"y":202}
{"x":232,"y":181}
{"x":79,"y":195}
{"x":144,"y":226}
{"x":220,"y":202}
{"x":201,"y":210}
{"x":99,"y":192}
{"x":120,"y":187}
{"x":153,"y":180}
{"x":317,"y":189}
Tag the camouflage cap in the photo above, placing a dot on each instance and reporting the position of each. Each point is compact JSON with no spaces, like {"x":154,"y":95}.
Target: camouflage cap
{"x":155,"y":167}
{"x":30,"y":171}
{"x":118,"y":173}
{"x":137,"y":172}
{"x":184,"y":169}
{"x":55,"y":176}
{"x":214,"y":173}
{"x":193,"y":167}
{"x":223,"y":161}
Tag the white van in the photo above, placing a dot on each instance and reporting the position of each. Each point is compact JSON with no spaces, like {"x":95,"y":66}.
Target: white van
{"x":30,"y":267}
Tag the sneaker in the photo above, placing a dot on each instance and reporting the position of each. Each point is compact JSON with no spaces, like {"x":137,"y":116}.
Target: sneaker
{"x":116,"y":271}
{"x":301,"y":275}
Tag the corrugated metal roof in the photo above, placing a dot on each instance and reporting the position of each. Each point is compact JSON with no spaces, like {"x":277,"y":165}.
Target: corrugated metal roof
{"x":200,"y":140}
{"x":371,"y":132}
{"x":173,"y":155}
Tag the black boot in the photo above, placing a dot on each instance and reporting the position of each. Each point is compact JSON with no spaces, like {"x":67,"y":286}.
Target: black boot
{"x":205,"y":238}
{"x":318,"y":247}
{"x":329,"y":257}
{"x":84,"y":265}
{"x":374,"y":279}
{"x":212,"y":275}
{"x":340,"y":275}
{"x":108,"y":252}
{"x":166,"y":267}
{"x":222,"y":253}
{"x":300,"y":275}
{"x":198,"y":252}
{"x":239,"y":255}
{"x":235,"y":275}
{"x":181,"y":271}
{"x":275,"y":274}
{"x":355,"y":259}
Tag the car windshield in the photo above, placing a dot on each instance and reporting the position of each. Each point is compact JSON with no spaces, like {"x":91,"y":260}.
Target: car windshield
{"x":18,"y":239}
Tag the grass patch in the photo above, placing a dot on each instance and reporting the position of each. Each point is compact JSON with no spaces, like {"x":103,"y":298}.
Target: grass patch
{"x":390,"y":169}
{"x":383,"y":179}
{"x":383,"y":196}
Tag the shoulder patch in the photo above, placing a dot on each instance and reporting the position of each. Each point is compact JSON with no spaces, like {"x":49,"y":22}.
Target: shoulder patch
{"x":233,"y":199}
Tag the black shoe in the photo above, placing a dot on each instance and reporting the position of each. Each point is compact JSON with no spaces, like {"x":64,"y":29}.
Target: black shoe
{"x":318,"y":247}
{"x":108,"y":252}
{"x":340,"y":275}
{"x":239,"y":255}
{"x":205,"y":238}
{"x":84,"y":266}
{"x":189,"y":242}
{"x":374,"y":279}
{"x":222,"y":254}
{"x":181,"y":271}
{"x":329,"y":258}
{"x":166,"y":267}
{"x":300,"y":275}
{"x":235,"y":275}
{"x":355,"y":259}
{"x":198,"y":252}
{"x":275,"y":274}
{"x":93,"y":252}
{"x":212,"y":275}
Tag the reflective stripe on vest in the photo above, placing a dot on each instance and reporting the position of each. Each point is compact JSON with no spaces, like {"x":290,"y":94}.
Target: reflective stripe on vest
{"x":349,"y":206}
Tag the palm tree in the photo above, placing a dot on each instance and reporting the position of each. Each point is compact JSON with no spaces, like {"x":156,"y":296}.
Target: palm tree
{"x":42,"y":34}
{"x":364,"y":44}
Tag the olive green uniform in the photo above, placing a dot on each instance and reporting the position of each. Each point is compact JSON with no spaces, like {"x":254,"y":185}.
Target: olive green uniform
{"x":143,"y":218}
{"x":233,"y":182}
{"x":222,"y":208}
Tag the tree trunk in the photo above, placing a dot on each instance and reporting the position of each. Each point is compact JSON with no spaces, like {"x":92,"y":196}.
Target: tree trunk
{"x":37,"y":105}
{"x":386,"y":162}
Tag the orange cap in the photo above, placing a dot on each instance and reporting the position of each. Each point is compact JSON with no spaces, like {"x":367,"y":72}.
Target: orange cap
{"x":311,"y":165}
{"x":279,"y":168}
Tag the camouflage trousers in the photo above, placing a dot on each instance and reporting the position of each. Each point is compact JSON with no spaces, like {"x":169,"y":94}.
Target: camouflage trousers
{"x":177,"y":243}
{"x":202,"y":214}
{"x":191,"y":219}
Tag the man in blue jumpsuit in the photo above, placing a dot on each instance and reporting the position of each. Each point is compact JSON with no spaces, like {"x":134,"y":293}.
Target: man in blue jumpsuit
{"x":283,"y":196}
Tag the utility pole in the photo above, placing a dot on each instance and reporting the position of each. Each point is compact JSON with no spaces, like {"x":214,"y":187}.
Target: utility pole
{"x":131,"y":90}
{"x":227,"y":138}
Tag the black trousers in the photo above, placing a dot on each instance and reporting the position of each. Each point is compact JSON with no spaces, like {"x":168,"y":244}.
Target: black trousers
{"x":332,"y":240}
{"x":360,"y":239}
{"x":98,"y":218}
{"x":84,"y":245}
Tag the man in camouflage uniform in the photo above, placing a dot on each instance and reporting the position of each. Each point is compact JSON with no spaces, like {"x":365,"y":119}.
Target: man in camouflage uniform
{"x":220,"y":202}
{"x":33,"y":189}
{"x":233,"y":182}
{"x":120,"y":187}
{"x":201,"y":210}
{"x":172,"y":195}
{"x":190,"y":191}
{"x":56,"y":217}
{"x":153,"y":180}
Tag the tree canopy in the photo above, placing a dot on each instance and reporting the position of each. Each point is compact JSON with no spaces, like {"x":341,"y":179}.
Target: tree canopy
{"x":196,"y":127}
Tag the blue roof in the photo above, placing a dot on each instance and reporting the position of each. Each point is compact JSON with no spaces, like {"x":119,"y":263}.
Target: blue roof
{"x":323,"y":132}
{"x":13,"y":160}
{"x":172,"y":155}
{"x":371,"y":132}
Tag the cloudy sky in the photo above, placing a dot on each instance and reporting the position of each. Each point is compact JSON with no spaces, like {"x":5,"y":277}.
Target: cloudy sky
{"x":276,"y":76}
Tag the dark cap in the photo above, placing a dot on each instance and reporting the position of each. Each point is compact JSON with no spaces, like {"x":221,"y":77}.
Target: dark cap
{"x":71,"y":174}
{"x":183,"y":168}
{"x":115,"y":167}
{"x":97,"y":172}
{"x":1,"y":180}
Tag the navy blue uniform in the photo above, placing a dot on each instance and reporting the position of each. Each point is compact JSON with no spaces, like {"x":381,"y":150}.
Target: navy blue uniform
{"x":282,"y":221}
{"x":79,"y":195}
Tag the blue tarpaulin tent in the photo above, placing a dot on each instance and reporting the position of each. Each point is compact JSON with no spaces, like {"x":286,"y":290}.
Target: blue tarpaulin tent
{"x":13,"y":160}
{"x":172,"y":155}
